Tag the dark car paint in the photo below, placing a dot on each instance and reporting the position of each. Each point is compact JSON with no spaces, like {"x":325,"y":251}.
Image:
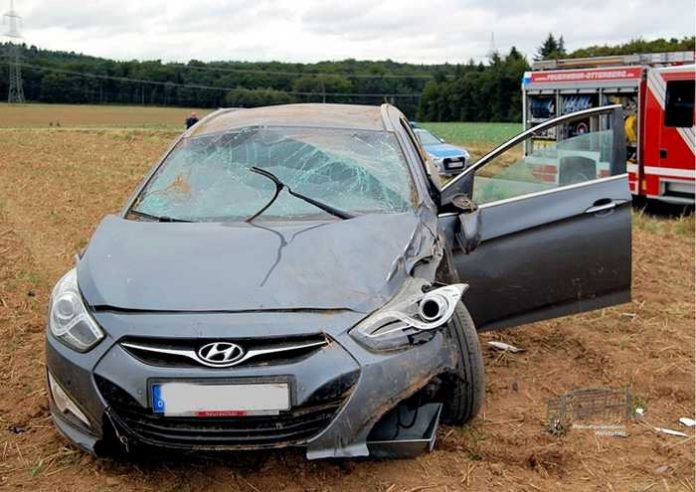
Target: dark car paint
{"x":415,"y":248}
{"x":385,"y":379}
{"x":237,"y":266}
{"x":566,"y":273}
{"x":546,"y":254}
{"x":104,"y":358}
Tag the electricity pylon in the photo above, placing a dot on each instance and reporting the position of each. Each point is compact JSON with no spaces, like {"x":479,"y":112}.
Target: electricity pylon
{"x":13,"y":21}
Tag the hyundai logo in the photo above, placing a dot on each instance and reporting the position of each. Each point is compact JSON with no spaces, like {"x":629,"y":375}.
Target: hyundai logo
{"x":220,"y":353}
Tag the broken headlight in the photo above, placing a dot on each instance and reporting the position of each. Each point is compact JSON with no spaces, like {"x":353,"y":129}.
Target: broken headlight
{"x":410,"y":314}
{"x":68,"y":318}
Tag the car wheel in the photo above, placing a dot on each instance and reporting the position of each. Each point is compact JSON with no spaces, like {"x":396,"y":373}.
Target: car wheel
{"x":465,"y":387}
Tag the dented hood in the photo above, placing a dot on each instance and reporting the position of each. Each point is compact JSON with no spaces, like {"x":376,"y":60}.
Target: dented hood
{"x":355,"y":264}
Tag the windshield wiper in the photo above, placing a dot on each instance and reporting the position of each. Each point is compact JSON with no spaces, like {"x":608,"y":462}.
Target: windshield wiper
{"x":155,"y":217}
{"x":279,"y":187}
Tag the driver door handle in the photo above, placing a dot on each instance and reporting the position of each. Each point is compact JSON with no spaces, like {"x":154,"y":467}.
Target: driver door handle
{"x":601,"y":206}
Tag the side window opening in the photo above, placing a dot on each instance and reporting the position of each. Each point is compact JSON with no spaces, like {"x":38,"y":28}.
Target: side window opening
{"x":679,"y":104}
{"x":535,"y":166}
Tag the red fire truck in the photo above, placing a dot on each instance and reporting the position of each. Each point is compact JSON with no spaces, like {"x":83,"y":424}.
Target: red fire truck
{"x":657,"y":93}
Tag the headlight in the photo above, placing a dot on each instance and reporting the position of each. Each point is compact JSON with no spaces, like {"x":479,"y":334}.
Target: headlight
{"x":68,"y":319}
{"x":408,"y":315}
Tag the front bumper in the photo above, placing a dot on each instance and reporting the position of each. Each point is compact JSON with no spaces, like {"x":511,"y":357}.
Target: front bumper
{"x":339,"y":392}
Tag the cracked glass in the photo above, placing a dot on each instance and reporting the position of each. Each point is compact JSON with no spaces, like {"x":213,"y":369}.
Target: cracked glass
{"x":208,"y":178}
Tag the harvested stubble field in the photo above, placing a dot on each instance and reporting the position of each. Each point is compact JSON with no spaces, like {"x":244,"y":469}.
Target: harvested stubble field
{"x":67,"y":115}
{"x":55,"y":185}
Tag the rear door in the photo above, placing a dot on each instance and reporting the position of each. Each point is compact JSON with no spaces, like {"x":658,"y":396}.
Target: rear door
{"x":555,"y":238}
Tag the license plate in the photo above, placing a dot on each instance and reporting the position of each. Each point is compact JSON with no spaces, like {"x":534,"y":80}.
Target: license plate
{"x":455,"y":164}
{"x":219,"y":400}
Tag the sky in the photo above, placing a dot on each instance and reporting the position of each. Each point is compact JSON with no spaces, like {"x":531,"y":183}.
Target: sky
{"x":417,"y":31}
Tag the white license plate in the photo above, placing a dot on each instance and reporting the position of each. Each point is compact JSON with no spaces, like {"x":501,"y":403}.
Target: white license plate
{"x":455,"y":164}
{"x":219,"y":400}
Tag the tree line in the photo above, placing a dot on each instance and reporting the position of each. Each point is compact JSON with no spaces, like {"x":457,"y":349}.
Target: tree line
{"x":492,"y":92}
{"x":72,"y":78}
{"x":487,"y":91}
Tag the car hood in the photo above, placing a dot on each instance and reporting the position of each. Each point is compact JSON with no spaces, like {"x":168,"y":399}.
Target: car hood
{"x":444,"y":150}
{"x":238,"y":267}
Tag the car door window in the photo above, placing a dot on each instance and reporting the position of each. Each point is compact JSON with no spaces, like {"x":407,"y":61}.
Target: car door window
{"x":554,"y":226}
{"x":543,"y":163}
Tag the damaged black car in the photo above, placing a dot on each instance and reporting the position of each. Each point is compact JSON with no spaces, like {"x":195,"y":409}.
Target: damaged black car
{"x":296,"y":276}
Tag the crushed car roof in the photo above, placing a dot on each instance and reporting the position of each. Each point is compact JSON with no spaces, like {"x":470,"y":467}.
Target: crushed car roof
{"x":317,"y":115}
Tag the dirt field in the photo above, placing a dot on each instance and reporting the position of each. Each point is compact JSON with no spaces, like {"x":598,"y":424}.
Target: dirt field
{"x":66,"y":115}
{"x":55,"y":185}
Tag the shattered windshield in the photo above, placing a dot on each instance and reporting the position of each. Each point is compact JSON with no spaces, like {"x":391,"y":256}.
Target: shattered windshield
{"x":209,"y":177}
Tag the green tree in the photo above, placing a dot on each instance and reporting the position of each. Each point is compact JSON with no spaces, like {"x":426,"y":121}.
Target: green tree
{"x":660,"y":45}
{"x":252,"y":98}
{"x":321,"y":85}
{"x":478,"y":92}
{"x":551,"y":49}
{"x":444,"y":92}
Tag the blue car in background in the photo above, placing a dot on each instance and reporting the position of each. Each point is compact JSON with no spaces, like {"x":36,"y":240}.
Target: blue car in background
{"x":448,"y":159}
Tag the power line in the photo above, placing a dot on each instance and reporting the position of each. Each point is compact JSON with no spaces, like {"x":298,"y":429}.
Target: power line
{"x":284,"y":73}
{"x":207,"y":87}
{"x":348,"y":75}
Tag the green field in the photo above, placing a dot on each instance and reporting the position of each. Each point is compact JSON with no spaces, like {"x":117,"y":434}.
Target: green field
{"x":474,"y":133}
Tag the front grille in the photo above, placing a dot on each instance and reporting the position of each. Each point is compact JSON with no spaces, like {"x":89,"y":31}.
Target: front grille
{"x":183,"y":352}
{"x":290,"y":428}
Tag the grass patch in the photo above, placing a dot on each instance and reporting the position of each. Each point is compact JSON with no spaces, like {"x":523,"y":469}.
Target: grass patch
{"x":683,"y":226}
{"x":489,"y":134}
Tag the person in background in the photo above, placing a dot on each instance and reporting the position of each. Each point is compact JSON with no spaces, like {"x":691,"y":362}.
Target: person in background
{"x":191,"y":120}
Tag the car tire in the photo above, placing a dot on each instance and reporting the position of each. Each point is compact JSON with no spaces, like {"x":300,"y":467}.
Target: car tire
{"x":465,"y":387}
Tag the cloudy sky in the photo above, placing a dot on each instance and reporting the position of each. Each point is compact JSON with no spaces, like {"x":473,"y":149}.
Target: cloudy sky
{"x":311,"y":30}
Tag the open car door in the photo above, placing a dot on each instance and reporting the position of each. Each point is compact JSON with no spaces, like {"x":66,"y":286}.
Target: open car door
{"x":550,"y":222}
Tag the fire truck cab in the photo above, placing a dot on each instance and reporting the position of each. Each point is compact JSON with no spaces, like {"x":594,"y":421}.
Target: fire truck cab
{"x":657,"y":94}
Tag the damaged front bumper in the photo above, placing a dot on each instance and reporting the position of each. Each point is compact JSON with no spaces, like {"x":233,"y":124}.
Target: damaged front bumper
{"x":346,"y":400}
{"x":385,"y":381}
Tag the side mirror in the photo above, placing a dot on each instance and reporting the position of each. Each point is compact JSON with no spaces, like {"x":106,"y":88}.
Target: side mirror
{"x":469,"y":234}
